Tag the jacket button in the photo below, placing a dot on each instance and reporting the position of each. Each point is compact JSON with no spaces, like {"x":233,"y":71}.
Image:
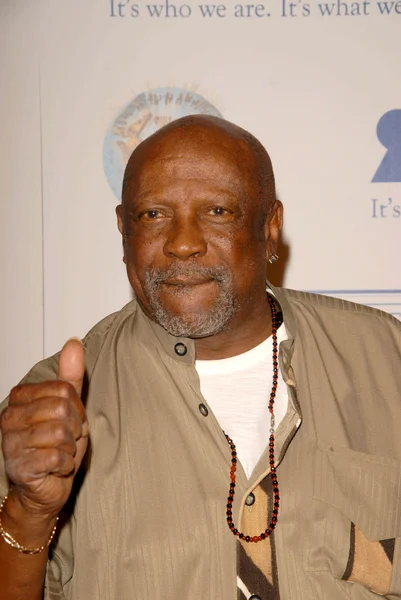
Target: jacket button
{"x":255,"y":597}
{"x":180,"y":349}
{"x":203,"y":410}
{"x":249,"y":501}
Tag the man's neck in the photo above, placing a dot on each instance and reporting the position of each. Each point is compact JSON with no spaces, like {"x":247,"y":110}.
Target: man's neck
{"x":237,"y":338}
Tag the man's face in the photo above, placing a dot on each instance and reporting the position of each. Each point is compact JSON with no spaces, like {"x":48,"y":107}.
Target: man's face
{"x":194,"y":237}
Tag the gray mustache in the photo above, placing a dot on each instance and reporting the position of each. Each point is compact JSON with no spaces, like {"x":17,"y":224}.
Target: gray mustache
{"x":158,"y":276}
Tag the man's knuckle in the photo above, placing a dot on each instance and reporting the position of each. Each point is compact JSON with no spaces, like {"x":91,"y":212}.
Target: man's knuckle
{"x":7,"y":445}
{"x":53,"y":458}
{"x":62,"y":409}
{"x":16,"y":392}
{"x":60,"y":432}
{"x":64,"y":389}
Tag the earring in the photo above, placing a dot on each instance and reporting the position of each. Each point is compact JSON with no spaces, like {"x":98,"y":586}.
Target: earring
{"x":273,"y":258}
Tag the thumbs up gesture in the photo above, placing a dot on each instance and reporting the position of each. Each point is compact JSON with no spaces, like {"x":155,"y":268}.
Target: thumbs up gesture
{"x":45,"y":435}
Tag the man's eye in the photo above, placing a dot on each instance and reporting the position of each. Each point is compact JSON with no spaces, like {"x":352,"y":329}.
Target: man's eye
{"x":220,"y":214}
{"x":218,"y":211}
{"x":150,"y":215}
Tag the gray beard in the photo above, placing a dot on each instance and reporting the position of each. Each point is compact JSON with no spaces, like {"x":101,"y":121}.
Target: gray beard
{"x":197,"y":324}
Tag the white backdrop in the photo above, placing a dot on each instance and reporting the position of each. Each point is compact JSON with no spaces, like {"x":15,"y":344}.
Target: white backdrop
{"x":83,"y":82}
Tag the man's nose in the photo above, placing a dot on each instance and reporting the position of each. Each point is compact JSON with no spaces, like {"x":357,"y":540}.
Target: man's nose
{"x":185,"y":239}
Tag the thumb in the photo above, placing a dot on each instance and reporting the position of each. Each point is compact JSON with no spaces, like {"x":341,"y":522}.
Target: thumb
{"x":71,"y":365}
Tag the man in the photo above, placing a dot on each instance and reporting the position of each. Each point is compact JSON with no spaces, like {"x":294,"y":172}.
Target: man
{"x":211,"y":471}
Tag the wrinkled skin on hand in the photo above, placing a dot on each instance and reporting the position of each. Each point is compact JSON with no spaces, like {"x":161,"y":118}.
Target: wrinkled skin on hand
{"x":45,"y":435}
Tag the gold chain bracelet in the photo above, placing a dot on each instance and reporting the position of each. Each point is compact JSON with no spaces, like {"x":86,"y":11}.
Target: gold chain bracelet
{"x":14,"y":544}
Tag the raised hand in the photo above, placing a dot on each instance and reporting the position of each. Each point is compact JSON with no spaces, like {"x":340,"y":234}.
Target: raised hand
{"x":45,"y":435}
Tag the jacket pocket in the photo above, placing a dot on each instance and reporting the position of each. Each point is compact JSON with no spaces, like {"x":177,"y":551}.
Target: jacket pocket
{"x":356,"y":513}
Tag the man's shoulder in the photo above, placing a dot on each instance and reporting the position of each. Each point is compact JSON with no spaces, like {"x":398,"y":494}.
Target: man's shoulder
{"x":98,"y":332}
{"x":334,"y":310}
{"x":93,"y":341}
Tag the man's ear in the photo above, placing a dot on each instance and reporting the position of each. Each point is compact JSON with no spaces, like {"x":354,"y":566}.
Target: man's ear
{"x":119,"y":210}
{"x":120,"y":225}
{"x":272,"y":228}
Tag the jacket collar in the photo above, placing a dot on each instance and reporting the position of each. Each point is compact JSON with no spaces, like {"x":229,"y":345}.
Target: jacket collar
{"x":171,"y":343}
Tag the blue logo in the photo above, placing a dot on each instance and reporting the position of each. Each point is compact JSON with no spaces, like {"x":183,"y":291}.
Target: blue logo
{"x":141,"y":117}
{"x":389,"y":134}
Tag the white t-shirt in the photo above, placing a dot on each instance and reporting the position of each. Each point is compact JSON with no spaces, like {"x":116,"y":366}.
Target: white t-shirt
{"x":237,"y":390}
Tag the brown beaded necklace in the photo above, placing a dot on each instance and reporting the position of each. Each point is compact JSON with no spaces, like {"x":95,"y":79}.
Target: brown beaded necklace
{"x":273,"y":475}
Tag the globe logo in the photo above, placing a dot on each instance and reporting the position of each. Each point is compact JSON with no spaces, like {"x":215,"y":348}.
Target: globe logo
{"x":141,"y":117}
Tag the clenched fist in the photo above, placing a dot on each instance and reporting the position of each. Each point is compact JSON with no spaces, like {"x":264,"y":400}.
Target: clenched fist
{"x":45,"y":435}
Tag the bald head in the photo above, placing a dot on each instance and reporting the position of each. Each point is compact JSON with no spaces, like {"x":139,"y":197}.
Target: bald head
{"x":201,"y":133}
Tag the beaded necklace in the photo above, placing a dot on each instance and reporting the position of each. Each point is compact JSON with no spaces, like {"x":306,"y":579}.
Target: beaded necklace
{"x":273,"y":475}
